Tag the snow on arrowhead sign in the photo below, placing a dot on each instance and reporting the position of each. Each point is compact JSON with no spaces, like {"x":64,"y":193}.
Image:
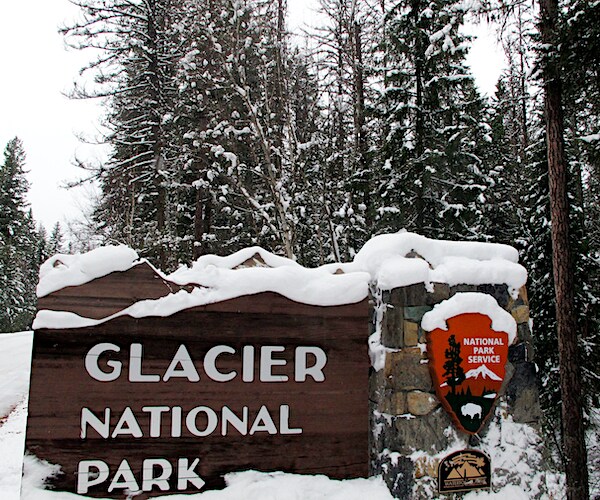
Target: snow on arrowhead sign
{"x":467,"y":344}
{"x":160,"y":405}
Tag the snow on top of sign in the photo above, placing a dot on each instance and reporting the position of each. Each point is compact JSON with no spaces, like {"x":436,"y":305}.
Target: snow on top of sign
{"x":405,"y":258}
{"x":309,"y":286}
{"x":61,"y":270}
{"x":388,"y":261}
{"x":246,"y":258}
{"x":470,"y":302}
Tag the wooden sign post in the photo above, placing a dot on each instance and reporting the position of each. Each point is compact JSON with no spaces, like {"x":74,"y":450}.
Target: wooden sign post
{"x":169,"y":405}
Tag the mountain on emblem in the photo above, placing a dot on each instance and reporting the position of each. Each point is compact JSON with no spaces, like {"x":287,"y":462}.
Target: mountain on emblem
{"x":483,"y":372}
{"x":467,"y":356}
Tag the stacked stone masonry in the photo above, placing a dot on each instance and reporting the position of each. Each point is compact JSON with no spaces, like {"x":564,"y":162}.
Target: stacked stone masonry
{"x":406,"y":413}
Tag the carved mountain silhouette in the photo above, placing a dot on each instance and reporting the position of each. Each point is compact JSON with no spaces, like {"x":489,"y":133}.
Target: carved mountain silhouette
{"x":480,"y":372}
{"x":483,"y":372}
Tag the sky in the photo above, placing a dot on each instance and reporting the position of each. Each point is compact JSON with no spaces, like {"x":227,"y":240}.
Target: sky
{"x":37,"y":70}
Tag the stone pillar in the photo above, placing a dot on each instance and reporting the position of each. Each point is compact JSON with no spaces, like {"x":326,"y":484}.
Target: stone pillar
{"x":411,"y":432}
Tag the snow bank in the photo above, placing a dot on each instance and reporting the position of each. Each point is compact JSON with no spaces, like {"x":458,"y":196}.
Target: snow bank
{"x":470,"y":302}
{"x":429,"y":261}
{"x":15,"y":365}
{"x":515,"y":451}
{"x":63,"y":270}
{"x":247,"y":485}
{"x":12,"y":444}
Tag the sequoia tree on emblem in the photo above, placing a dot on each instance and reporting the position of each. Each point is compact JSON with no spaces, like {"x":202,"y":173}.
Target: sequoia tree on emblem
{"x":467,"y":344}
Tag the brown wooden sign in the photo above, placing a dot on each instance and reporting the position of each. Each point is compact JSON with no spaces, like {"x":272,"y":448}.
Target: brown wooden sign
{"x":169,"y":405}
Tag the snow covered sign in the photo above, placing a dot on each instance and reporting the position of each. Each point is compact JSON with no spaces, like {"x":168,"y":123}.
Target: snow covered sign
{"x":159,"y":384}
{"x":468,"y":337}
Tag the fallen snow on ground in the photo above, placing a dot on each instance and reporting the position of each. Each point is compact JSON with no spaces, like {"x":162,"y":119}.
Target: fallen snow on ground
{"x":15,"y":363}
{"x":12,"y":444}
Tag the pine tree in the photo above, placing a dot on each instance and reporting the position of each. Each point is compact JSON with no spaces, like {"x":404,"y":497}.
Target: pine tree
{"x":18,"y":241}
{"x":453,"y":370}
{"x":138,"y":47}
{"x":433,"y":177}
{"x":56,"y":242}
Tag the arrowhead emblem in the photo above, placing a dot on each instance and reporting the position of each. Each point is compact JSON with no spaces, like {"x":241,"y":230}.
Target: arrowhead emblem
{"x":467,"y":362}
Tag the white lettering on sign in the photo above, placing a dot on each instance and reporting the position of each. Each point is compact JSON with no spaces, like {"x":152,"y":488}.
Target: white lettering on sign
{"x":483,"y":341}
{"x":161,"y":481}
{"x":484,"y":359}
{"x":315,"y":371}
{"x":188,"y":370}
{"x":87,"y":478}
{"x":483,"y":349}
{"x":267,"y":363}
{"x":136,"y":354}
{"x":107,"y":362}
{"x":211,"y":421}
{"x":210,"y":363}
{"x":156,"y":472}
{"x":124,"y":479}
{"x":128,"y":425}
{"x":92,"y":367}
{"x":182,"y":365}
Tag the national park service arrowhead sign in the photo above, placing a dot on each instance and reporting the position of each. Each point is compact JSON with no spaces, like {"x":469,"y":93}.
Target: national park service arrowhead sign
{"x":467,"y":344}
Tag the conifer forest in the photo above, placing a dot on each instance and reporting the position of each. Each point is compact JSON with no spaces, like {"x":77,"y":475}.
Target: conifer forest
{"x":227,"y":131}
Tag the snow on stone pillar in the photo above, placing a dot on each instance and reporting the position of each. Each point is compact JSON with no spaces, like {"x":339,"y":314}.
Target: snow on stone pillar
{"x":411,"y":431}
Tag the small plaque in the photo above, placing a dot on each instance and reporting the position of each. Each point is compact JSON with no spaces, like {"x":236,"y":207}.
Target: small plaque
{"x":463,"y":471}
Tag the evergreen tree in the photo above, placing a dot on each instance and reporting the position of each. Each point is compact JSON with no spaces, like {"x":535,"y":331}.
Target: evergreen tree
{"x":433,"y":178}
{"x":346,"y":55}
{"x":56,"y":242}
{"x":453,"y":371}
{"x":18,"y":242}
{"x":138,"y":47}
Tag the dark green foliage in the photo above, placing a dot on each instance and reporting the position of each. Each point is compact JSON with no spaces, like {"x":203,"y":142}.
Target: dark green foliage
{"x":18,"y":243}
{"x":434,"y":177}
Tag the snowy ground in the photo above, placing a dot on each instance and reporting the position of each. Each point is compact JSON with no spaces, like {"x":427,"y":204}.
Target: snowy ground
{"x":15,"y":359}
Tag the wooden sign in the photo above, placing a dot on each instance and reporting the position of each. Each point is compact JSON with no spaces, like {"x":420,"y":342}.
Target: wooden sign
{"x":463,"y":471}
{"x":169,"y":405}
{"x":467,"y":364}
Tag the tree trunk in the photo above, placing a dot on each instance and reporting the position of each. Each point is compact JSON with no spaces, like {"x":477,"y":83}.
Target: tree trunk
{"x":419,"y":58}
{"x":199,"y":223}
{"x":522,"y":82}
{"x":155,"y":20}
{"x":360,"y":142}
{"x":566,"y":319}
